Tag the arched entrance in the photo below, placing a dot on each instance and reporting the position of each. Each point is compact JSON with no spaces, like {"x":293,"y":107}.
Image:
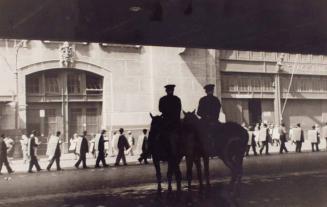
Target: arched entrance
{"x":70,"y":100}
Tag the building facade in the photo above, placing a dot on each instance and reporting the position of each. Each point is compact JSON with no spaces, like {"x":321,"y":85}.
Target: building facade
{"x":71,"y":87}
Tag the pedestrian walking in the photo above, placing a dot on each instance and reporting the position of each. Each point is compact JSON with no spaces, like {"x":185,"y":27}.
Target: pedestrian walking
{"x":256,"y":134}
{"x":111,"y":144}
{"x":32,"y":146}
{"x":283,"y":138}
{"x":122,"y":145}
{"x":264,"y":138}
{"x":72,"y":146}
{"x":3,"y":155}
{"x":131,"y":142}
{"x":251,"y":142}
{"x":92,"y":146}
{"x":318,"y":133}
{"x":10,"y":145}
{"x":276,"y":135}
{"x":53,"y":150}
{"x":100,"y":149}
{"x":144,"y":140}
{"x":323,"y":133}
{"x":298,"y":137}
{"x":115,"y":139}
{"x":82,"y":148}
{"x":24,"y":146}
{"x":313,"y":138}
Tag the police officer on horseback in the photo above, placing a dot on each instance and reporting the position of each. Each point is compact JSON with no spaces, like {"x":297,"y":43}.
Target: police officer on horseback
{"x":208,"y":110}
{"x":170,"y":106}
{"x":209,"y":106}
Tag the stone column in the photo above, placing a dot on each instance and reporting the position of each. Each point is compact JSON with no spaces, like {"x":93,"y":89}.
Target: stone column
{"x":21,"y":98}
{"x":222,"y":116}
{"x":107,"y":98}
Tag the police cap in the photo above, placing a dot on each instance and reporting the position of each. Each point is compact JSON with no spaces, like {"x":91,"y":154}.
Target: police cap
{"x":209,"y":87}
{"x":170,"y":87}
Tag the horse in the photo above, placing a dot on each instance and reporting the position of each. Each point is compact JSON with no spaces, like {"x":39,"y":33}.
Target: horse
{"x":164,"y":145}
{"x":228,"y":141}
{"x":192,"y":150}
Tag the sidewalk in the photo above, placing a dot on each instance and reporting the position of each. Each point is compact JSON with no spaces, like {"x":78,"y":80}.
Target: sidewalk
{"x":66,"y":161}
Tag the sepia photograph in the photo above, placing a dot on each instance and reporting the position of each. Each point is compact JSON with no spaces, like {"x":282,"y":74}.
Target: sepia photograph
{"x":163,"y":103}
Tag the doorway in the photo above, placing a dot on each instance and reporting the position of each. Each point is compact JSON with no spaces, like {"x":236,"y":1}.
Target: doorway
{"x":255,"y":111}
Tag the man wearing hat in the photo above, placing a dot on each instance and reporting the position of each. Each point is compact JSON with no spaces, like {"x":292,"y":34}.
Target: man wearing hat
{"x":170,"y":106}
{"x":122,"y":145}
{"x":209,"y":105}
{"x":99,"y":147}
{"x":32,"y":146}
{"x":3,"y":155}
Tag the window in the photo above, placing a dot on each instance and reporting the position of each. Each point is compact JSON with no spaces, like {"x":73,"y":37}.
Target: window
{"x":51,"y":83}
{"x":74,"y":83}
{"x":93,"y":84}
{"x":92,"y":120}
{"x":33,"y":84}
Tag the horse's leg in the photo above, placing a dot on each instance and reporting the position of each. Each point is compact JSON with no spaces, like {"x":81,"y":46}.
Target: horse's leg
{"x":169,"y":176}
{"x":238,"y":165}
{"x":158,"y":174}
{"x":178,"y":176}
{"x":206,"y":169}
{"x":199,"y":172}
{"x":189,"y":166}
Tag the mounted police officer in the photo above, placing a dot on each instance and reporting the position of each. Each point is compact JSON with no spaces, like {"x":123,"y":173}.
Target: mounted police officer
{"x":209,"y":105}
{"x":170,"y":106}
{"x":208,"y":110}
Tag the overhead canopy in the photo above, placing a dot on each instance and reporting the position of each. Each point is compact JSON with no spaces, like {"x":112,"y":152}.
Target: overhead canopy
{"x":279,"y":25}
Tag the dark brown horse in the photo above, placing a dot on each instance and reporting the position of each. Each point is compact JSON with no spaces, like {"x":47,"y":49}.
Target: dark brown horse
{"x":228,"y":141}
{"x":164,"y":145}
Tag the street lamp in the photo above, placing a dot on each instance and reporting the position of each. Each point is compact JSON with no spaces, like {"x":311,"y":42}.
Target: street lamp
{"x":21,"y":44}
{"x":278,"y":113}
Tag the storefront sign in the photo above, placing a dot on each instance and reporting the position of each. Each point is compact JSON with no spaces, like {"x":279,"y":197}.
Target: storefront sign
{"x":42,"y":113}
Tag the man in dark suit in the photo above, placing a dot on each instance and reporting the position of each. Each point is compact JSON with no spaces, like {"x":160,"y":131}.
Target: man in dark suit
{"x":122,"y":145}
{"x":170,"y":106}
{"x":32,"y":145}
{"x":144,"y":155}
{"x":209,"y":105}
{"x":3,"y":155}
{"x":101,"y":153}
{"x":283,"y":138}
{"x":83,"y":145}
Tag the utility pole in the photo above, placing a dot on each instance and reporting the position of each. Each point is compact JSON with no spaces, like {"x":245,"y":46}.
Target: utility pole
{"x":277,"y":101}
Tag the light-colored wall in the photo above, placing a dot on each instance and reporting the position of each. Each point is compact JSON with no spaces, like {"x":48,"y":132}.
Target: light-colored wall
{"x":138,"y":74}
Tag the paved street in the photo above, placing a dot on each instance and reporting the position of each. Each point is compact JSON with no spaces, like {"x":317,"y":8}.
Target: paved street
{"x":275,"y":180}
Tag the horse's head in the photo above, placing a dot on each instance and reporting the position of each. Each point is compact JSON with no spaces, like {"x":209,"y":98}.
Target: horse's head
{"x":190,"y":117}
{"x":156,"y":123}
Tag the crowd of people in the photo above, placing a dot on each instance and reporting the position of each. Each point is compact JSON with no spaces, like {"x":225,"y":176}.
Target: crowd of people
{"x":100,"y":146}
{"x":263,"y":135}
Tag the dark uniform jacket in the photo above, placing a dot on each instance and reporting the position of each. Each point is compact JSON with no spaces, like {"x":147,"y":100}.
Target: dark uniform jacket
{"x":32,"y":146}
{"x":84,"y":146}
{"x":101,"y":144}
{"x":209,"y":108}
{"x":170,"y":106}
{"x":3,"y":149}
{"x":122,"y":142}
